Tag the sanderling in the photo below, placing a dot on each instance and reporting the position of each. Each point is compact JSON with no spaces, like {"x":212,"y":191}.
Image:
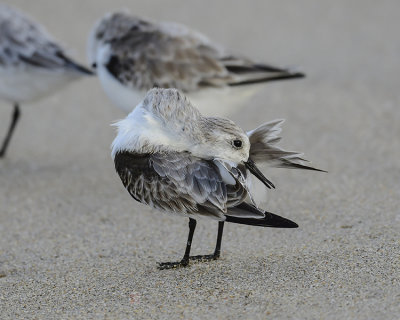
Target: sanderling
{"x":172,"y":158}
{"x":32,"y":64}
{"x":132,"y":55}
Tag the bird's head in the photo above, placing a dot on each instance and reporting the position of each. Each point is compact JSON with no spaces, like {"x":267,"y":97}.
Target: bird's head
{"x":223,"y":139}
{"x":114,"y":28}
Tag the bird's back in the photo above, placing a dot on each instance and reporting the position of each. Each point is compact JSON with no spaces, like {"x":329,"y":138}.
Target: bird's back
{"x":32,"y":64}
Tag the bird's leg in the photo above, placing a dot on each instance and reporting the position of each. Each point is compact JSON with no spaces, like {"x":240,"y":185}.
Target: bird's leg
{"x":217,"y":251}
{"x":185,"y":260}
{"x":14,"y":121}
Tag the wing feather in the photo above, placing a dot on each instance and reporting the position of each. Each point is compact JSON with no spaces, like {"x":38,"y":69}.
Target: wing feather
{"x":181,"y":183}
{"x":24,"y":42}
{"x":168,"y":55}
{"x":174,"y":182}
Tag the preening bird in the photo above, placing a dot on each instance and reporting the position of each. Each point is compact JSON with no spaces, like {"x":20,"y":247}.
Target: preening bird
{"x":172,"y":158}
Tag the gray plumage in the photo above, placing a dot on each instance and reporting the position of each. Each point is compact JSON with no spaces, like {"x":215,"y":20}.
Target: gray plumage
{"x":143,"y":54}
{"x":24,"y":42}
{"x":172,"y":158}
{"x":180,"y":183}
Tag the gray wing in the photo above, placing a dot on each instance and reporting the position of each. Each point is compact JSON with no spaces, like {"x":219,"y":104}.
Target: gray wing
{"x":149,"y":57}
{"x":24,"y":42}
{"x":194,"y":177}
{"x":172,"y":56}
{"x":178,"y":182}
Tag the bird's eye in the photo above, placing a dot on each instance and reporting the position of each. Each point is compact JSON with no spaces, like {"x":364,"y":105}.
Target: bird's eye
{"x":237,"y":143}
{"x":94,"y":65}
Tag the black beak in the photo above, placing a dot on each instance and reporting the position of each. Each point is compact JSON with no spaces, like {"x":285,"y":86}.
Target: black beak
{"x":254,"y":170}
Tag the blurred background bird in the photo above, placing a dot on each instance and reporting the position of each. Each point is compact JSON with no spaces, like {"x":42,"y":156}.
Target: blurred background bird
{"x":32,"y":64}
{"x":132,"y":55}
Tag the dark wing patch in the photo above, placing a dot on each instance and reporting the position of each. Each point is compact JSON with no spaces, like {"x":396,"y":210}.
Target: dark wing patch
{"x":54,"y":61}
{"x":147,"y":57}
{"x":176,"y":182}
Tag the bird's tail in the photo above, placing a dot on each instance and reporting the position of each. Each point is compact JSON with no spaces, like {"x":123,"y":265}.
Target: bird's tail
{"x":265,"y":219}
{"x":263,"y":148}
{"x":72,"y":65}
{"x":245,"y":72}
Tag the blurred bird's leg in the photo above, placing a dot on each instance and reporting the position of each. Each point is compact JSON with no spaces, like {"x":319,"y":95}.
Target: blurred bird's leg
{"x":185,"y":260}
{"x":217,"y":251}
{"x":14,"y":121}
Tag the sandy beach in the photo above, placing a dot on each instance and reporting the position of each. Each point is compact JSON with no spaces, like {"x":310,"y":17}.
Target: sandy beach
{"x":75,"y":245}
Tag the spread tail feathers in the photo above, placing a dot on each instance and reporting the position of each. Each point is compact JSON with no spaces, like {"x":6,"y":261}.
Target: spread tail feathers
{"x":263,"y":148}
{"x":265,"y":219}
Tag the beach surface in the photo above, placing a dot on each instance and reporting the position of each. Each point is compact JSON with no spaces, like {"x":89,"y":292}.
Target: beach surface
{"x":74,"y":244}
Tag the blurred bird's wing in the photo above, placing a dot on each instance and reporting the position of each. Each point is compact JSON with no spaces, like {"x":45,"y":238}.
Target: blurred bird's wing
{"x":170,"y":55}
{"x":263,"y":148}
{"x":23,"y":42}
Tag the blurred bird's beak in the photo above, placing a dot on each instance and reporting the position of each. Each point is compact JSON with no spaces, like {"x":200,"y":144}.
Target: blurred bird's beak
{"x":255,"y":171}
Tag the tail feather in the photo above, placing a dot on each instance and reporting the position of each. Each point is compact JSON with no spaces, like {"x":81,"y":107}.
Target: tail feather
{"x":246,"y":72}
{"x":75,"y":66}
{"x":266,"y":79}
{"x":263,"y":148}
{"x":267,"y":219}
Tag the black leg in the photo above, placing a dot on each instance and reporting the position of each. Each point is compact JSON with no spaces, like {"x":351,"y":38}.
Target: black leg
{"x":14,"y":121}
{"x":219,"y":239}
{"x":217,"y":251}
{"x":185,"y":260}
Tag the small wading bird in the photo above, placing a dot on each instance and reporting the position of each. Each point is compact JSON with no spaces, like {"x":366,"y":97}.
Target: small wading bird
{"x":133,"y":55}
{"x":172,"y":158}
{"x":32,"y":64}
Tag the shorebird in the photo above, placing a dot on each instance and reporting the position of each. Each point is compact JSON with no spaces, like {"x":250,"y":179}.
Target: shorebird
{"x":132,"y":55}
{"x":172,"y":158}
{"x":32,"y":64}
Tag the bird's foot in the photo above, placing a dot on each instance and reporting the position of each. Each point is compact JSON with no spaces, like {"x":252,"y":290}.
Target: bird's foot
{"x":173,"y":265}
{"x":184,"y":263}
{"x":206,"y":257}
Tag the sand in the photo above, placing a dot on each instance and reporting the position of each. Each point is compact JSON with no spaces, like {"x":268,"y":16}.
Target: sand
{"x":73,"y":244}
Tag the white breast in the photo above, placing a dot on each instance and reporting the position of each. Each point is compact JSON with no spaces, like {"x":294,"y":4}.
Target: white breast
{"x":122,"y":96}
{"x":24,"y":83}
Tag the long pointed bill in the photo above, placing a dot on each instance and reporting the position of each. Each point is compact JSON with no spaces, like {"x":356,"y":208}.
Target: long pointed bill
{"x":255,"y":171}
